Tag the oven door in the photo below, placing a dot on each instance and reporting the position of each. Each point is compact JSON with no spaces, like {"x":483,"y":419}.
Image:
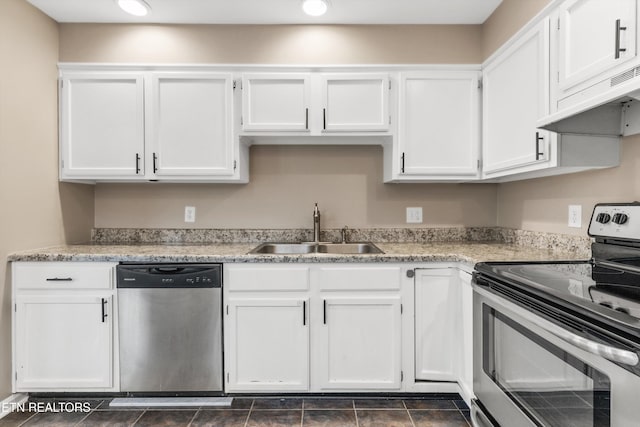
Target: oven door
{"x":527,"y":373}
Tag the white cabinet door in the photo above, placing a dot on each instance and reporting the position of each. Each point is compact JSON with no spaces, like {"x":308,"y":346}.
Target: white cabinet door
{"x":515,"y":96}
{"x":102,"y":125}
{"x":593,"y":37}
{"x":359,"y":343}
{"x":436,"y":324}
{"x":268,"y":344}
{"x":191,"y":124}
{"x":439,"y":131}
{"x":63,"y":341}
{"x":276,"y":102}
{"x":355,"y":102}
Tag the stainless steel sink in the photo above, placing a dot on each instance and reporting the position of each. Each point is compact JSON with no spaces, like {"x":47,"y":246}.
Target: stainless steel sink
{"x":348,"y":248}
{"x":284,"y":248}
{"x":322,"y":248}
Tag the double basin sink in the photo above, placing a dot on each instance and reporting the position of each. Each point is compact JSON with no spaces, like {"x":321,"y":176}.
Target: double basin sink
{"x":317,"y":248}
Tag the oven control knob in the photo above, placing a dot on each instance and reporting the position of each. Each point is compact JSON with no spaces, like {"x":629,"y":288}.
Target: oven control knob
{"x":620,"y":218}
{"x":603,"y":218}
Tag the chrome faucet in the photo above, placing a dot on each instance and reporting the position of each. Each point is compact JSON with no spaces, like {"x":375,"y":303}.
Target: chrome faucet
{"x":343,"y":232}
{"x":316,"y":224}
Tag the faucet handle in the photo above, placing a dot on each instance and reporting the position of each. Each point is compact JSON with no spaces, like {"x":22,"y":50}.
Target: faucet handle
{"x":343,"y":232}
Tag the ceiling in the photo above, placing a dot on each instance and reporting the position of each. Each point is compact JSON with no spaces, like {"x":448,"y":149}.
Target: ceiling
{"x":275,"y":11}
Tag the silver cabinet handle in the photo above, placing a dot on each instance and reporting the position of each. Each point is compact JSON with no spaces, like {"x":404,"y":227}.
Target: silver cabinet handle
{"x":618,"y":49}
{"x":539,"y":138}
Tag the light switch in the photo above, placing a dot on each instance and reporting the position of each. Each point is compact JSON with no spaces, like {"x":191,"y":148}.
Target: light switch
{"x":575,"y":216}
{"x":189,"y":214}
{"x":414,"y":215}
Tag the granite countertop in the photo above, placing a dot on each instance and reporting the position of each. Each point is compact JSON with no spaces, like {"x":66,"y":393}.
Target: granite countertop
{"x":464,"y":252}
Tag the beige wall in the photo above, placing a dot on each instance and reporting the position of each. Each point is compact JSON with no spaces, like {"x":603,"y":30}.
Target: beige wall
{"x":271,"y":44}
{"x":285,"y":181}
{"x":36,"y":211}
{"x":542,"y":204}
{"x":506,"y":20}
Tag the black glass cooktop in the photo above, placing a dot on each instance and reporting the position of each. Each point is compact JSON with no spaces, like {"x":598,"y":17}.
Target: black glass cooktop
{"x":579,"y":284}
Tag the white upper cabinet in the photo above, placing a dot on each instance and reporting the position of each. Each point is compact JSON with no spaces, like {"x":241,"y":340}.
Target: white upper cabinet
{"x":515,"y":96}
{"x":276,"y":102}
{"x":102,"y":126}
{"x":149,"y":125}
{"x":439,"y":126}
{"x":355,"y":102}
{"x":192,"y":124}
{"x":593,"y":37}
{"x":315,"y":103}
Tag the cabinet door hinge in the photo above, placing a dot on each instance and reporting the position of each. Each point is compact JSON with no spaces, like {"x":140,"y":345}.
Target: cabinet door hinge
{"x":16,"y":375}
{"x":61,"y":84}
{"x":15,"y":308}
{"x":227,"y":309}
{"x":235,"y":165}
{"x":479,"y":84}
{"x":401,"y":308}
{"x":389,"y":84}
{"x":401,"y":376}
{"x":479,"y":164}
{"x":389,"y":119}
{"x":62,"y":164}
{"x":558,"y":26}
{"x":227,"y":377}
{"x":241,"y":121}
{"x":234,"y":85}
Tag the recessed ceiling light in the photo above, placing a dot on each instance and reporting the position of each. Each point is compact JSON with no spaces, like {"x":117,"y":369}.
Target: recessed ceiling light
{"x":134,"y":7}
{"x":314,"y":7}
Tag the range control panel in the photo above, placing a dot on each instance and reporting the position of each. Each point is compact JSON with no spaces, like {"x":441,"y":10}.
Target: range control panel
{"x":617,"y":220}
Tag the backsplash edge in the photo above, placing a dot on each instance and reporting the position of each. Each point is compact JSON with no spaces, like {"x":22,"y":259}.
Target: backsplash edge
{"x":539,"y":240}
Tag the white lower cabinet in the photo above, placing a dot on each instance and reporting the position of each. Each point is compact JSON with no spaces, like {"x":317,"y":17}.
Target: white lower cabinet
{"x":312,"y":327}
{"x":437,"y":324}
{"x":359,"y":343}
{"x":268,"y":344}
{"x":336,"y":328}
{"x":64,"y":319}
{"x":63,"y":341}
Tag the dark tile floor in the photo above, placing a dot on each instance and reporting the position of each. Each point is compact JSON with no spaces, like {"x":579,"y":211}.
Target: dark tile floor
{"x":267,"y":412}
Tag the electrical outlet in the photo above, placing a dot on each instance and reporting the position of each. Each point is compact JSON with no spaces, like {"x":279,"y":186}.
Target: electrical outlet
{"x":414,"y":215}
{"x":189,"y":214}
{"x":575,"y":216}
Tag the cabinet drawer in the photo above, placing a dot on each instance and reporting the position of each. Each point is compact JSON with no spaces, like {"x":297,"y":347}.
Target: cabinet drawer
{"x":359,"y":278}
{"x":267,"y":278}
{"x":63,"y":275}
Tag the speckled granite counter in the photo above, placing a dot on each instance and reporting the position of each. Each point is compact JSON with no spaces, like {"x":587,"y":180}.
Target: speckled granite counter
{"x":465,"y":252}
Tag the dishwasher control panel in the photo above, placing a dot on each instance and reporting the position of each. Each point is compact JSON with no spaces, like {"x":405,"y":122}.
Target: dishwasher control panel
{"x":169,"y":275}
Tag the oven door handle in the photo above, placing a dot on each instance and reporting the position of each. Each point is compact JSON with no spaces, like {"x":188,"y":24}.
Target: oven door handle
{"x":610,"y":353}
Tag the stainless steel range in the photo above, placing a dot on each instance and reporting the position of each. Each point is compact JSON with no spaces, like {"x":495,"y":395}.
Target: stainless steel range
{"x":558,"y":343}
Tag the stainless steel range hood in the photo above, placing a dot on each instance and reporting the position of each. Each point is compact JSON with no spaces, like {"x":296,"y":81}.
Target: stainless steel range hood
{"x":611,"y":107}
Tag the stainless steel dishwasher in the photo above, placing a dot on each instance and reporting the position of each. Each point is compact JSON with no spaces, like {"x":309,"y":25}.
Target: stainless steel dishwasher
{"x":170,"y":327}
